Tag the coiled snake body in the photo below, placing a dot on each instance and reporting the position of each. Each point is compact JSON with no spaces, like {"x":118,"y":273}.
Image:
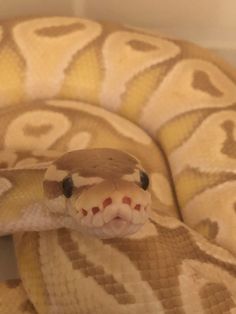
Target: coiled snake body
{"x":76,"y":179}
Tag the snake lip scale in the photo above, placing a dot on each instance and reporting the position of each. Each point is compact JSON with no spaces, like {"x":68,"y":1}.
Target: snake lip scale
{"x":119,"y":213}
{"x":137,"y":214}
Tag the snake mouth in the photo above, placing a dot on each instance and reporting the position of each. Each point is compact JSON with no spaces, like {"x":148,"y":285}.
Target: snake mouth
{"x":114,"y":217}
{"x":117,"y":227}
{"x":117,"y":220}
{"x":116,"y":212}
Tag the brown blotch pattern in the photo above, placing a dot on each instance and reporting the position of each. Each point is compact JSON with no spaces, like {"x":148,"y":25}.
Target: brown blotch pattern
{"x":80,"y":262}
{"x":159,"y":259}
{"x":56,"y":31}
{"x":157,"y":266}
{"x":141,"y":46}
{"x":202,"y":81}
{"x":52,"y":189}
{"x":216,"y":298}
{"x":105,"y":163}
{"x":13,"y":283}
{"x":207,"y":228}
{"x":229,"y":146}
{"x":37,"y":131}
{"x":3,"y":165}
{"x":208,"y":180}
{"x":27,"y":307}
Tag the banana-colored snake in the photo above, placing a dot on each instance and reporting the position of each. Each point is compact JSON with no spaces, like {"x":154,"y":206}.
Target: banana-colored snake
{"x":118,"y":171}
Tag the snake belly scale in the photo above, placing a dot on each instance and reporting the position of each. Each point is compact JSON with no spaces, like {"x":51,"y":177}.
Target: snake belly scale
{"x":117,"y":170}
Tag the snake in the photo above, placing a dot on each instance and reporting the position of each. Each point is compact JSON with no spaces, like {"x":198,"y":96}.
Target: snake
{"x":117,"y":170}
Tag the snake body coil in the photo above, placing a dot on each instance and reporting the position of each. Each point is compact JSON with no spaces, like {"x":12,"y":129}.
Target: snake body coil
{"x":96,"y":119}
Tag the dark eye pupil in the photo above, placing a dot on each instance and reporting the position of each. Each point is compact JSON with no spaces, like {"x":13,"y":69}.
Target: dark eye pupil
{"x":67,"y":186}
{"x":144,"y":180}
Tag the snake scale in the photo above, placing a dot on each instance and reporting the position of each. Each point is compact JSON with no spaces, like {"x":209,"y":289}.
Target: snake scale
{"x":118,"y":169}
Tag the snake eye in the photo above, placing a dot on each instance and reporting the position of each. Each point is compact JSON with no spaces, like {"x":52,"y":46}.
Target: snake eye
{"x":144,"y":180}
{"x":67,"y":187}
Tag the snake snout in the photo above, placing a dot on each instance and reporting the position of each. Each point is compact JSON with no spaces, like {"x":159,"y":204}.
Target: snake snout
{"x":124,"y":207}
{"x":113,"y":208}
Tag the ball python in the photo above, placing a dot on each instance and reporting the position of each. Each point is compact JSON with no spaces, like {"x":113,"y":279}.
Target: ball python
{"x":117,"y":170}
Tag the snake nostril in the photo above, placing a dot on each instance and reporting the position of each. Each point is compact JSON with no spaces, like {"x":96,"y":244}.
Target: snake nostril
{"x":137,"y":207}
{"x":126,"y":200}
{"x":107,"y":202}
{"x":95,"y":210}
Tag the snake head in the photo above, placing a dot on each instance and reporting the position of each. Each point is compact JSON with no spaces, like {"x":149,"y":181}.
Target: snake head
{"x":105,"y":191}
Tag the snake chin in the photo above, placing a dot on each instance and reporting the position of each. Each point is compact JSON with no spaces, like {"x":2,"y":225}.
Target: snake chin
{"x":118,"y":225}
{"x":115,"y":228}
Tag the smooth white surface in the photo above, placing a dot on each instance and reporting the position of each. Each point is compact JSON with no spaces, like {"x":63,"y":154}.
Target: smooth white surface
{"x":14,"y":8}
